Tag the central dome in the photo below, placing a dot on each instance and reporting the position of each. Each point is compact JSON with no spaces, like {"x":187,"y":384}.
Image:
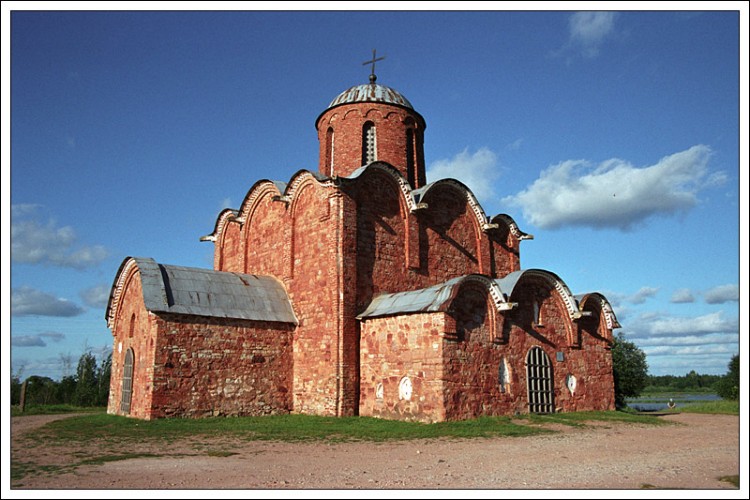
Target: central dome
{"x":371,"y":92}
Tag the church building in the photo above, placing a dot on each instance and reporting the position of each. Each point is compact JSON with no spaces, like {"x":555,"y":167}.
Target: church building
{"x":358,"y":289}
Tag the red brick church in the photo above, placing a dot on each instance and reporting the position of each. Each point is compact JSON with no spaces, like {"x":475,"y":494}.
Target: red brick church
{"x":358,"y":289}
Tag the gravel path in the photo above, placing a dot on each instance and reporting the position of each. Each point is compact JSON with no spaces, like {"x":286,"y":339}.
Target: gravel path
{"x":694,"y":453}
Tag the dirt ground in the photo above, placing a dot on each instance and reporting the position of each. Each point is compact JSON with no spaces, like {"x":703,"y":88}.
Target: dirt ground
{"x":694,"y":453}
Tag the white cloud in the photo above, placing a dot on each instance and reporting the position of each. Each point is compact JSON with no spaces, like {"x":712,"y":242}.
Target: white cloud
{"x":27,"y":301}
{"x":648,"y":326}
{"x":617,"y":299}
{"x":225,"y":203}
{"x":722,"y":294}
{"x":641,"y":295}
{"x":589,"y":29}
{"x":33,"y":242}
{"x":36,"y":340}
{"x":97,"y":296}
{"x":682,"y":296}
{"x":613,"y":194}
{"x":478,"y":171}
{"x":691,"y":340}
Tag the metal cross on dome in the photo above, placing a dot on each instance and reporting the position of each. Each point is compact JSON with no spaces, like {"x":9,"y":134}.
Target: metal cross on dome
{"x":372,"y":61}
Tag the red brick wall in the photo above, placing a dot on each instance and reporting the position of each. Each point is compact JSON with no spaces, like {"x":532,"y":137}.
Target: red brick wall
{"x":132,"y":316}
{"x":451,"y":237}
{"x":265,"y":242}
{"x":587,"y":358}
{"x":313,"y":290}
{"x":390,"y":121}
{"x":397,"y":347}
{"x":221,"y":367}
{"x":230,"y":255}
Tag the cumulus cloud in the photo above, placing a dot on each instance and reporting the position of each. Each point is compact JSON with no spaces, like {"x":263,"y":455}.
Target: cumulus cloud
{"x":682,"y":296}
{"x":36,"y":340}
{"x":35,"y":242}
{"x":477,"y":170}
{"x":614,"y":194}
{"x":617,"y":299}
{"x":27,"y":301}
{"x":722,"y":294}
{"x":97,"y":296}
{"x":681,"y":326}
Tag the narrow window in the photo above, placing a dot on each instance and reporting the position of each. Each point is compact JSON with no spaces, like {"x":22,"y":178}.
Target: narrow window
{"x":132,"y":326}
{"x":369,"y":143}
{"x":537,"y":313}
{"x":410,"y":170}
{"x":329,"y":151}
{"x":127,"y":382}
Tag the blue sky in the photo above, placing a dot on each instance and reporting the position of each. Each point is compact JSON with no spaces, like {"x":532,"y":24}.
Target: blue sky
{"x":612,"y":137}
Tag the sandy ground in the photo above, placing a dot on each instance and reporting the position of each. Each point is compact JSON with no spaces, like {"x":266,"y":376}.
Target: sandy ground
{"x":691,"y":454}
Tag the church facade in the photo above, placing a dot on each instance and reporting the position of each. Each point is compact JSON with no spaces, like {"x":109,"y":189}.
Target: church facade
{"x":358,"y":289}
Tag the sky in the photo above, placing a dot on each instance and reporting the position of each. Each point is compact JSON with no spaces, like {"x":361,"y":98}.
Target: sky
{"x":613,"y":137}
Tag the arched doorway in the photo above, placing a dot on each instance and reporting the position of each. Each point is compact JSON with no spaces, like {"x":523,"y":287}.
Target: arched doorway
{"x":539,"y":380}
{"x":127,"y":382}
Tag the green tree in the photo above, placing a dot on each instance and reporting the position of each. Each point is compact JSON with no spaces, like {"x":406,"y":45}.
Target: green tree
{"x":105,"y":369}
{"x":87,"y":385}
{"x":629,"y":368}
{"x":728,"y":387}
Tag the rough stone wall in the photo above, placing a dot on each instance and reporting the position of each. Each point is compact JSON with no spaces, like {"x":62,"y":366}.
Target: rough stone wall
{"x":133,"y":329}
{"x":396,"y":347}
{"x":230,"y":255}
{"x":221,"y":367}
{"x":584,"y":357}
{"x":264,"y":240}
{"x":314,"y":293}
{"x":472,"y":359}
{"x":449,"y":242}
{"x":390,"y":123}
{"x":380,"y":251}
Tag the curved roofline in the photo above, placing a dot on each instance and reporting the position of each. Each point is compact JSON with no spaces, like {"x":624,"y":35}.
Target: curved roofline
{"x":607,"y":310}
{"x":484,"y":223}
{"x":436,"y":298}
{"x":408,"y":107}
{"x":512,"y":226}
{"x":202,"y":292}
{"x":509,"y":282}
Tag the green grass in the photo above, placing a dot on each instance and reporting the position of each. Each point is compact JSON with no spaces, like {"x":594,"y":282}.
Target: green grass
{"x":720,"y":406}
{"x":15,"y":410}
{"x":113,"y":429}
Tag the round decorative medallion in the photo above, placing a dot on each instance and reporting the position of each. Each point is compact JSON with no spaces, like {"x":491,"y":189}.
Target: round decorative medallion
{"x":404,"y":389}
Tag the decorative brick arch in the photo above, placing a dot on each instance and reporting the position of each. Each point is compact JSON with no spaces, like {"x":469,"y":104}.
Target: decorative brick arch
{"x":125,"y":274}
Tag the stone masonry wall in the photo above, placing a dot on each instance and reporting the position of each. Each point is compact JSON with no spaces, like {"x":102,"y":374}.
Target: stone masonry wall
{"x":401,"y":367}
{"x":133,"y":329}
{"x":218,"y":366}
{"x":390,"y":123}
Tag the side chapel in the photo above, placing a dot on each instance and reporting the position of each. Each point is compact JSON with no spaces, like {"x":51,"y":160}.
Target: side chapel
{"x":358,"y":289}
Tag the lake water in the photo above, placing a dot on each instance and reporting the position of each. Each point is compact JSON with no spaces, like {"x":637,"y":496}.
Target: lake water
{"x":661,"y":402}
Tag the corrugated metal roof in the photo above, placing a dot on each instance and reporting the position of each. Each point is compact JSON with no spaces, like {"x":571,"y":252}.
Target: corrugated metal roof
{"x":371,"y":92}
{"x":217,"y":294}
{"x":432,"y":299}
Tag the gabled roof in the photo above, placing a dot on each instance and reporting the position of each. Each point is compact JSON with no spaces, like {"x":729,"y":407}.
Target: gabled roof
{"x":205,"y":292}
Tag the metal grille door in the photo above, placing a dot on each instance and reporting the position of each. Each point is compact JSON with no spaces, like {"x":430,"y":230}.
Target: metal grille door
{"x":127,"y":382}
{"x":540,"y":382}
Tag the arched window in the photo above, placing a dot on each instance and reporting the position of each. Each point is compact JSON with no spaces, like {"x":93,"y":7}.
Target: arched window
{"x":131,"y":332}
{"x":537,"y":313}
{"x":369,"y":143}
{"x":127,"y":381}
{"x":539,"y":381}
{"x":329,"y":151}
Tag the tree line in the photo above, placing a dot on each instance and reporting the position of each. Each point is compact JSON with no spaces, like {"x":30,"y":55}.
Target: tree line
{"x":88,"y":387}
{"x":90,"y":384}
{"x":630,"y":371}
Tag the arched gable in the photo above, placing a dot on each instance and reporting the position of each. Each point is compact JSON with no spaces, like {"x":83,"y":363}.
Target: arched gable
{"x":128,"y":268}
{"x":509,"y":282}
{"x":597,"y":306}
{"x":399,"y":180}
{"x":422,"y":195}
